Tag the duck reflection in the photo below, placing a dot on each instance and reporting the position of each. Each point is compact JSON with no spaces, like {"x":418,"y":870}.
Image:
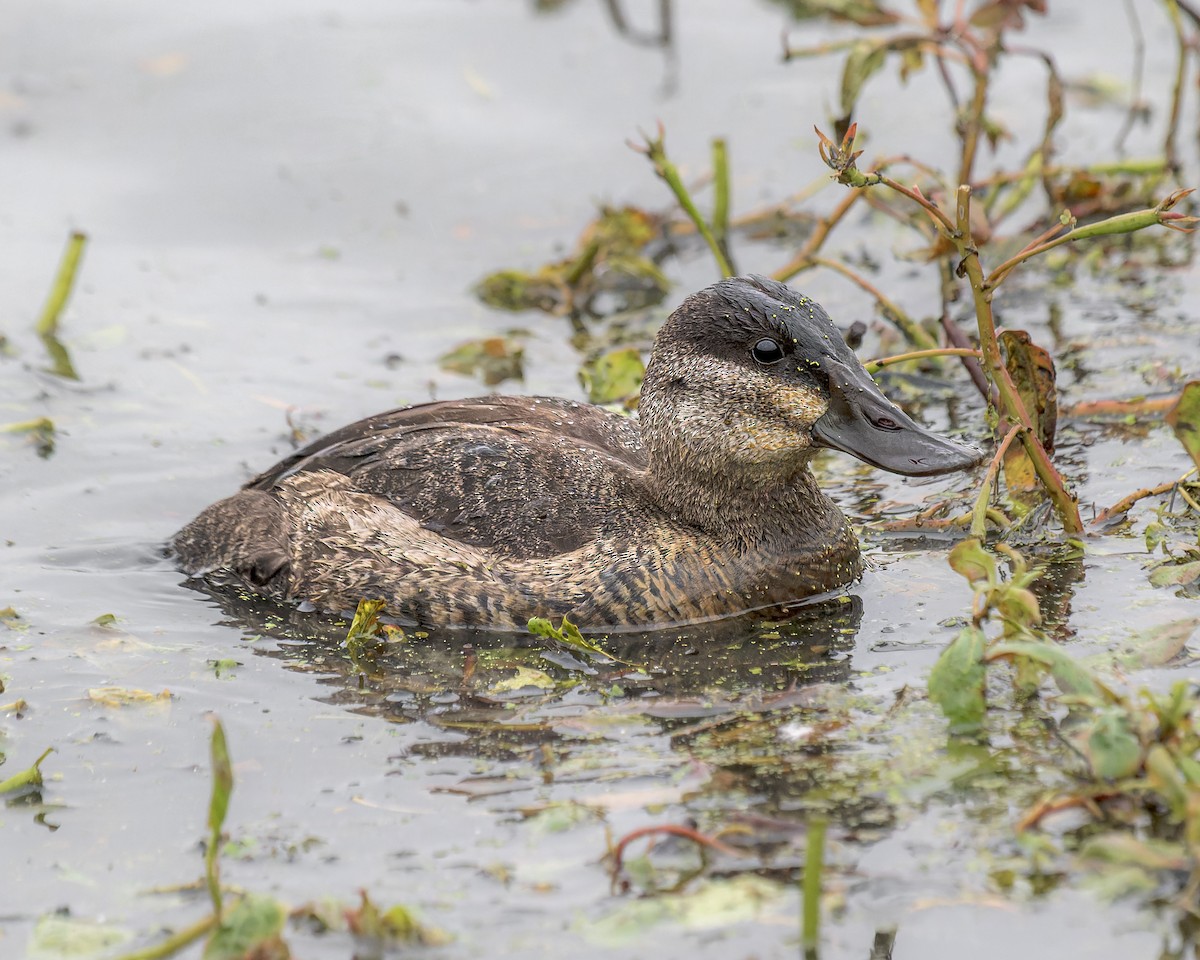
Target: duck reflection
{"x":468,"y":676}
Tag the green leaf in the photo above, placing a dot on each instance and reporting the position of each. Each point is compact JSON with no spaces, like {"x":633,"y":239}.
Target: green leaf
{"x":1018,"y":605}
{"x":395,"y":925}
{"x":956,"y":682}
{"x":493,"y":359}
{"x":1156,"y":646}
{"x":865,"y":60}
{"x":218,"y":806}
{"x":365,"y":624}
{"x":1176,"y":574}
{"x":31,"y":777}
{"x":222,"y":774}
{"x":569,"y":635}
{"x":58,"y":937}
{"x":251,"y":928}
{"x":716,"y":905}
{"x":613,"y":376}
{"x":1111,"y":746}
{"x":973,"y":562}
{"x":525,"y":677}
{"x":1184,"y":419}
{"x":1072,"y":677}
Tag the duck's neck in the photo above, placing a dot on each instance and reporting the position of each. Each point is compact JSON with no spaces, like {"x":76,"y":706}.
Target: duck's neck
{"x":749,"y":509}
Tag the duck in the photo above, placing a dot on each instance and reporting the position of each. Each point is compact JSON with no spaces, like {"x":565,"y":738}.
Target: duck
{"x":491,"y":510}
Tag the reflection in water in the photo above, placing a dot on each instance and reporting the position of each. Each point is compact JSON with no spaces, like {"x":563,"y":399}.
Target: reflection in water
{"x":468,"y":673}
{"x":662,"y":36}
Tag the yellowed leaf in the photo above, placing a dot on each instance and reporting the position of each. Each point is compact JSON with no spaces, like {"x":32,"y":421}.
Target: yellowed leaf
{"x":125,"y":696}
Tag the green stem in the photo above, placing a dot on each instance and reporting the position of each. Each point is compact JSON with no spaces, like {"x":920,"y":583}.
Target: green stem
{"x":720,"y":215}
{"x":1121,"y":223}
{"x":814,"y":865}
{"x":1011,"y":404}
{"x":657,"y":152}
{"x":973,"y":119}
{"x":64,"y":281}
{"x":979,"y":513}
{"x":1181,"y":42}
{"x":174,"y":943}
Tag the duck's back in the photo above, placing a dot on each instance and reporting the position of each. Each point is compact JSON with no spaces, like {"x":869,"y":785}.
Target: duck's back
{"x":520,"y":477}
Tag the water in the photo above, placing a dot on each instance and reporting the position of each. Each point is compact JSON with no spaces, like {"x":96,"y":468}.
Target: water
{"x":282,"y":198}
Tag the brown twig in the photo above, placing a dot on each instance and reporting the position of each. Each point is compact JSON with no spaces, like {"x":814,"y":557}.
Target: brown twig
{"x":1054,"y":804}
{"x":912,"y":330}
{"x":803,"y":260}
{"x":1120,"y":408}
{"x":1122,"y":505}
{"x":673,"y":829}
{"x":874,"y":366}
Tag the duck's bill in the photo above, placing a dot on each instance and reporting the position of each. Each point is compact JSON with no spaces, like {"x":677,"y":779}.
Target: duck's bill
{"x":864,"y":423}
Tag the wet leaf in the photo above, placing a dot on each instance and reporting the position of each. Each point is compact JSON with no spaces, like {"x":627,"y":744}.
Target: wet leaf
{"x":609,"y":257}
{"x":32,"y":777}
{"x":866,"y":59}
{"x":1184,"y":419}
{"x":105,"y":620}
{"x":396,"y":925}
{"x":569,"y":635}
{"x":60,"y":937}
{"x":224,"y":668}
{"x":1033,"y":374}
{"x":525,"y":677}
{"x":717,"y":904}
{"x":517,"y":290}
{"x":956,"y":682}
{"x":250,"y":930}
{"x":364,"y":628}
{"x":1019,"y":605}
{"x":1176,"y":574}
{"x":126,"y":696}
{"x":1020,"y":476}
{"x":1072,"y":677}
{"x":970,"y":559}
{"x":493,"y":359}
{"x":1112,"y":748}
{"x":613,"y":376}
{"x":222,"y":775}
{"x":41,"y":433}
{"x":1156,"y":646}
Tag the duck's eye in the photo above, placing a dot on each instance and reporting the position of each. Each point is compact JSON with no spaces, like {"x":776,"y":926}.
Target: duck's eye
{"x":767,"y":351}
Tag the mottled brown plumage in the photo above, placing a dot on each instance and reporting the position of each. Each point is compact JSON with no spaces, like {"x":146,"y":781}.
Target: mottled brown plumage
{"x":495,"y":509}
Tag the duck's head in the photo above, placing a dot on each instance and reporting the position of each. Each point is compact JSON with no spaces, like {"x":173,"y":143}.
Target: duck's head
{"x":750,"y":377}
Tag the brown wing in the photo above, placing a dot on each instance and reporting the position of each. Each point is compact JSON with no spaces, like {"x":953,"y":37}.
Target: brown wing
{"x":525,"y":476}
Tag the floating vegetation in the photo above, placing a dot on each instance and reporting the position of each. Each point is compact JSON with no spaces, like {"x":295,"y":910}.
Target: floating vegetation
{"x":40,"y":432}
{"x":492,"y":359}
{"x":614,"y":376}
{"x":29,"y":779}
{"x":611,"y":260}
